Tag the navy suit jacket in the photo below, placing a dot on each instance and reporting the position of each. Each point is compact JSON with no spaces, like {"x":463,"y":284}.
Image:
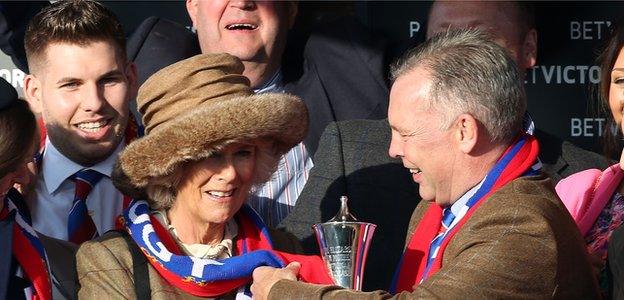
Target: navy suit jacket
{"x":61,"y":260}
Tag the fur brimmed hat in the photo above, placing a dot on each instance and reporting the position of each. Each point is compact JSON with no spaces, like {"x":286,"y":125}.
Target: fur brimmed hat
{"x":193,"y":108}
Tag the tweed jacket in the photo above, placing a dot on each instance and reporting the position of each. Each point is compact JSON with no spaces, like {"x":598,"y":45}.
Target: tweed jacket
{"x":353,"y":160}
{"x":520,"y":243}
{"x":105,"y":269}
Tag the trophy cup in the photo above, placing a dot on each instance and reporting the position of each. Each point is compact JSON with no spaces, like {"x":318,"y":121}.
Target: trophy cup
{"x":344,"y":243}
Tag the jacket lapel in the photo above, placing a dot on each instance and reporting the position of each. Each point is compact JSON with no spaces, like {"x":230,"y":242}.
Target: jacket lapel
{"x":62,"y":262}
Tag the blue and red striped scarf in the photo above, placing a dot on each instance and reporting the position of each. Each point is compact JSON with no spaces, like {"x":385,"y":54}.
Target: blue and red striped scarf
{"x":208,"y":277}
{"x":27,"y":249}
{"x":518,"y":160}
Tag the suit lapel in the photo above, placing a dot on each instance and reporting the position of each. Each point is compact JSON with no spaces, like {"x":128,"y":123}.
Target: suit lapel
{"x":6,"y":243}
{"x":554,"y":170}
{"x":62,"y":262}
{"x":552,"y":155}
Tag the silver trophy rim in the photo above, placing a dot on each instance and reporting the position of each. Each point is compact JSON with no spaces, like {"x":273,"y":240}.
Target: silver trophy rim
{"x":344,"y":223}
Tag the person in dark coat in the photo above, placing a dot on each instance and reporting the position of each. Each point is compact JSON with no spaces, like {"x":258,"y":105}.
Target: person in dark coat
{"x":31,"y":264}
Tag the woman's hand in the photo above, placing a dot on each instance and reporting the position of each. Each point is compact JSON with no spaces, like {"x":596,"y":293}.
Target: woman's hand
{"x":265,"y":277}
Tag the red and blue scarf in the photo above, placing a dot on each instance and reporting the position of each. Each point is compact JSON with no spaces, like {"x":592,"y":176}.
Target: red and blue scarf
{"x":27,"y":249}
{"x":518,"y":160}
{"x":208,"y":277}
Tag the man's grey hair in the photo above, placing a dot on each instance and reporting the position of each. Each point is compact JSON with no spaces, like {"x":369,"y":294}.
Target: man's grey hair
{"x":470,"y":74}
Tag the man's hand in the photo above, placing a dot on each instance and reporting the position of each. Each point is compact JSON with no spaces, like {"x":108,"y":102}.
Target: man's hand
{"x":265,"y":277}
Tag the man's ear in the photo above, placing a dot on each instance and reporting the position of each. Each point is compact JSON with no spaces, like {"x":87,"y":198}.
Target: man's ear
{"x":292,"y":8}
{"x":466,"y":132}
{"x":191,"y":9}
{"x":529,"y":49}
{"x":32,"y":92}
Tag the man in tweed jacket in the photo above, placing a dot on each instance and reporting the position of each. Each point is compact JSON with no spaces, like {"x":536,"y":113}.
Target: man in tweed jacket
{"x":456,"y":108}
{"x":352,"y":155}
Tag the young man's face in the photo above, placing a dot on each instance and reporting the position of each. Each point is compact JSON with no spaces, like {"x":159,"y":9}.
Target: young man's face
{"x":83,"y":94}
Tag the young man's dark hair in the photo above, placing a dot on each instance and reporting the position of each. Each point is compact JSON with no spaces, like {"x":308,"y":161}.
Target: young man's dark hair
{"x":75,"y":22}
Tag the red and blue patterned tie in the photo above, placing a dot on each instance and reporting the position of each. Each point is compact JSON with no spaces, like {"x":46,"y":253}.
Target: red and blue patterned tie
{"x":447,"y":220}
{"x":80,"y":226}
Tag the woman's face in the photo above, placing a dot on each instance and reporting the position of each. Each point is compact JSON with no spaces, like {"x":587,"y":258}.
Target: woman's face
{"x":616,"y":89}
{"x":212,"y":190}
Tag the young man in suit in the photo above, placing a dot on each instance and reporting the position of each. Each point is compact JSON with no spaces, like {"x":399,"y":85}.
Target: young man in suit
{"x":81,"y":83}
{"x":489,"y":225}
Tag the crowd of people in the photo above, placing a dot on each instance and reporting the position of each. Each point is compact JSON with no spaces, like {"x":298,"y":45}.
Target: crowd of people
{"x":178,"y":165}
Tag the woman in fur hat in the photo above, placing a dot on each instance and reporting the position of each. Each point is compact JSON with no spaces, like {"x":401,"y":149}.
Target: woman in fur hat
{"x":208,"y":141}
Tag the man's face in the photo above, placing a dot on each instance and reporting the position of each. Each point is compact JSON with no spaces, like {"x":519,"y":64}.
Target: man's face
{"x":250,"y":30}
{"x":417,"y":137}
{"x":497,"y":18}
{"x":83,"y":93}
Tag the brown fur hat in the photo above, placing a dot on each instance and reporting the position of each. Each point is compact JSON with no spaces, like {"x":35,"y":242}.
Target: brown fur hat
{"x":193,"y":108}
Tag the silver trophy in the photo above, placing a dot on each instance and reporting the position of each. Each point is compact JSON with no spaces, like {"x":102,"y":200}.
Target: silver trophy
{"x":344,"y":243}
